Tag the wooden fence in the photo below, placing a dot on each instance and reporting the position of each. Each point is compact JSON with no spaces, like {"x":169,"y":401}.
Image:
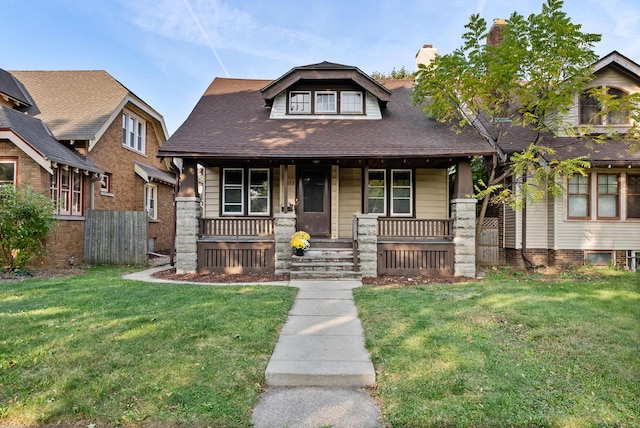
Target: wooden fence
{"x":237,"y":227}
{"x":488,"y":251}
{"x":115,"y":237}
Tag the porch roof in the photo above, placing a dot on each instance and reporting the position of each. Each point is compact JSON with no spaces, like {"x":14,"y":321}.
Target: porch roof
{"x":230,"y":122}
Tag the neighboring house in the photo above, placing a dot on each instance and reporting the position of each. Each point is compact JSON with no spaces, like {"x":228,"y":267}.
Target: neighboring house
{"x":90,"y":143}
{"x":328,"y":150}
{"x":597,"y":220}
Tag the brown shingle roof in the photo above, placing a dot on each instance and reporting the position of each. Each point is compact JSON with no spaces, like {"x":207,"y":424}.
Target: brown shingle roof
{"x":74,"y":104}
{"x":229,"y":121}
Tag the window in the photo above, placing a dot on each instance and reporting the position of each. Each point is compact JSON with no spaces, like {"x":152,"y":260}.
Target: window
{"x":105,"y":183}
{"x":608,"y":196}
{"x":633,"y":196}
{"x":578,"y":196}
{"x":300,"y":102}
{"x":67,"y":191}
{"x":350,"y":102}
{"x":258,"y":190}
{"x":7,"y":171}
{"x":133,"y":132}
{"x":376,"y":193}
{"x":325,"y":102}
{"x":598,"y":258}
{"x":591,"y":111}
{"x":401,"y":192}
{"x":150,"y":200}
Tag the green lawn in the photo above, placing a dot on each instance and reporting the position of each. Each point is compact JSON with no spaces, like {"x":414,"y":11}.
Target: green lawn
{"x":96,"y":349}
{"x":513,"y":350}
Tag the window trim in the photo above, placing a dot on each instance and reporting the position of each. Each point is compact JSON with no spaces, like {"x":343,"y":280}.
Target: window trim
{"x":342,"y":93}
{"x":60,"y":195}
{"x":134,"y":132}
{"x":384,"y":192}
{"x":588,"y":194}
{"x":298,"y":112}
{"x":249,"y":186}
{"x":411,"y":190}
{"x":151,"y":199}
{"x":628,"y":194}
{"x":597,"y":184}
{"x":241,"y":186}
{"x":105,"y":183}
{"x":14,"y":161}
{"x":388,"y":192}
{"x":602,"y":119}
{"x":317,"y":110}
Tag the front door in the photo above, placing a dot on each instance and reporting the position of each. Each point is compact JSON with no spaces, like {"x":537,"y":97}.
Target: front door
{"x":314,"y":200}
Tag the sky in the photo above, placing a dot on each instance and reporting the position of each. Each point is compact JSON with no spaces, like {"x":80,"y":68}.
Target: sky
{"x":167,"y":52}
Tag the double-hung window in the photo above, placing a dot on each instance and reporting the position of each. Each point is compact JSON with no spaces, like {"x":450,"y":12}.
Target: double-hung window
{"x":350,"y":102}
{"x":398,"y":191}
{"x":7,"y":171}
{"x":633,"y":196}
{"x":151,"y":200}
{"x":608,"y":196}
{"x":133,"y":132}
{"x":578,"y":196}
{"x":246,"y":191}
{"x":300,"y":102}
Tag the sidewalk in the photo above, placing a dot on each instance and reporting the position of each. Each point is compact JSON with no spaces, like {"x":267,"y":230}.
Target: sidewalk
{"x":320,"y":370}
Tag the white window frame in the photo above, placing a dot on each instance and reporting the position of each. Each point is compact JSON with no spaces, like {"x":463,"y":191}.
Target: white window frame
{"x":14,"y":162}
{"x":306,"y":105}
{"x":346,"y":94}
{"x":77,"y":194}
{"x":151,"y":200}
{"x":134,"y":130}
{"x":268,"y":195}
{"x":332,"y":106}
{"x":68,"y":200}
{"x":384,"y":191}
{"x":392,"y":197}
{"x":105,"y":183}
{"x":226,"y":186}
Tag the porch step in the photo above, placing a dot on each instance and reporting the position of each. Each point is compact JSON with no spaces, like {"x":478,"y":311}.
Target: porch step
{"x":325,"y":263}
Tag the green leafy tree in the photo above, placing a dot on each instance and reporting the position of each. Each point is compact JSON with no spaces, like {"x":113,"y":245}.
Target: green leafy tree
{"x":25,"y":222}
{"x":519,"y":89}
{"x":402,"y":73}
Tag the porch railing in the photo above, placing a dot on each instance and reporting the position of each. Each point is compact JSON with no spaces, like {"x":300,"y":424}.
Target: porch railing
{"x":237,"y":227}
{"x":411,"y":229}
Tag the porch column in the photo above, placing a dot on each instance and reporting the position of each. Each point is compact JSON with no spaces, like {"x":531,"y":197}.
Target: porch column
{"x":463,"y":213}
{"x":285,"y":225}
{"x":187,"y":220}
{"x":367,"y":236}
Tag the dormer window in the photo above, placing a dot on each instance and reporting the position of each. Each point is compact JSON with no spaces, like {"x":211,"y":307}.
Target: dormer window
{"x":300,"y":102}
{"x":591,"y":111}
{"x":326,"y":102}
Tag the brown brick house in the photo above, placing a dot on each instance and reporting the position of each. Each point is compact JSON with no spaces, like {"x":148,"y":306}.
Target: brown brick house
{"x":105,"y":140}
{"x":328,"y":150}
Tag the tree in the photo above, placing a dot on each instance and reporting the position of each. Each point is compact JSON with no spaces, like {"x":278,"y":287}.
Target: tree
{"x":517,"y":88}
{"x":395,"y":74}
{"x":25,"y":221}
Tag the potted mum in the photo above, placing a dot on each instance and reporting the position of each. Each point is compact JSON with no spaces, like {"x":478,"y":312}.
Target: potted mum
{"x":300,"y":242}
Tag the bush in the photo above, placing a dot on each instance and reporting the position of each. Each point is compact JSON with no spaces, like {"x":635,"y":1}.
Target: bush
{"x":25,"y":221}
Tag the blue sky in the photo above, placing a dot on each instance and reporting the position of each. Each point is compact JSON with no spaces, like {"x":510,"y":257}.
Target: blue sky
{"x":168,"y":51}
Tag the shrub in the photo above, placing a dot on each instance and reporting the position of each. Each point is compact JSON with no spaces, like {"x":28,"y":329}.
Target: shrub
{"x":25,"y":221}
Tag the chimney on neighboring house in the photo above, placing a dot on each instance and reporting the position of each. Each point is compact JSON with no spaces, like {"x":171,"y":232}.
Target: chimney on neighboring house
{"x":495,"y":32}
{"x":425,"y":55}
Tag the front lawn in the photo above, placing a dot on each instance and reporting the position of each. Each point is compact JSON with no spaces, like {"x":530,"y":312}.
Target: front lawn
{"x":513,"y":350}
{"x":96,"y":349}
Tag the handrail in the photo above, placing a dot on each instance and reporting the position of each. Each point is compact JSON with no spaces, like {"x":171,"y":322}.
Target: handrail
{"x":237,"y":227}
{"x":415,"y":228}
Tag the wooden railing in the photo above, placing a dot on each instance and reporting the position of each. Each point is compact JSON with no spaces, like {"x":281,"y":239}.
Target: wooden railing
{"x":415,"y":229}
{"x":237,"y":227}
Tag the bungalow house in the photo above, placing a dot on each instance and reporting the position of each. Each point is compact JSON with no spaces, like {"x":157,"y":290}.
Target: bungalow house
{"x":597,"y":220}
{"x":91,"y":144}
{"x":328,"y":150}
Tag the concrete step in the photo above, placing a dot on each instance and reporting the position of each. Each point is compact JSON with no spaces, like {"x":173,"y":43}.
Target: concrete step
{"x":328,"y":265}
{"x":324,"y":274}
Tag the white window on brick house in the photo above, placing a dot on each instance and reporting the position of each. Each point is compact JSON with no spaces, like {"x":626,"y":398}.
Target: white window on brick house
{"x":105,"y":183}
{"x":67,"y":191}
{"x":151,"y":200}
{"x":133,"y":132}
{"x":8,"y":167}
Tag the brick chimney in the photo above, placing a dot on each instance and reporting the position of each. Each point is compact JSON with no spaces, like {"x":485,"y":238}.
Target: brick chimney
{"x":494,"y":38}
{"x":425,"y":55}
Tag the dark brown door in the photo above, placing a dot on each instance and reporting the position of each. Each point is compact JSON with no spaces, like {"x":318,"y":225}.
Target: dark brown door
{"x":314,"y":200}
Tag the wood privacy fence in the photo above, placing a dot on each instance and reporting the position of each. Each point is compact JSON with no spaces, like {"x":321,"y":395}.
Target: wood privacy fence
{"x":488,"y":251}
{"x":115,"y":237}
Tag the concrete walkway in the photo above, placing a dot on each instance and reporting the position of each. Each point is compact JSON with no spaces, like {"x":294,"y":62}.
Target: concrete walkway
{"x":320,"y":372}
